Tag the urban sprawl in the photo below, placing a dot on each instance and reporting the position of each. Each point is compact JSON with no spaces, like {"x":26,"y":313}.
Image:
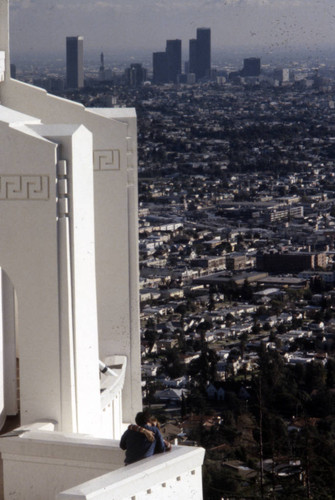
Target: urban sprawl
{"x":237,"y":271}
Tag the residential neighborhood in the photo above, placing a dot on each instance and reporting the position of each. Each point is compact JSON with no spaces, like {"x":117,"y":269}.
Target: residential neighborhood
{"x":237,"y":226}
{"x":237,"y":218}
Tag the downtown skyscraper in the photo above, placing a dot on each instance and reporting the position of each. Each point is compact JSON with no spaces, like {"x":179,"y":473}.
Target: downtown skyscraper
{"x":159,"y":63}
{"x":167,"y":65}
{"x":202,"y":55}
{"x":192,"y":61}
{"x":74,"y":62}
{"x":173,"y":54}
{"x":251,"y":66}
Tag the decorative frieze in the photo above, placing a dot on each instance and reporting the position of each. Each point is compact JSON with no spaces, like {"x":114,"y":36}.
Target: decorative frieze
{"x":106,"y":159}
{"x":24,"y":187}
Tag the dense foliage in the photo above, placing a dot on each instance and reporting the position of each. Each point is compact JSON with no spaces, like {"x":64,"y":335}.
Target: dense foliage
{"x":284,"y":432}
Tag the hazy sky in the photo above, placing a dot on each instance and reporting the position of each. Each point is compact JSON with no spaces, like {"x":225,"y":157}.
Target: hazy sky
{"x":130,"y":25}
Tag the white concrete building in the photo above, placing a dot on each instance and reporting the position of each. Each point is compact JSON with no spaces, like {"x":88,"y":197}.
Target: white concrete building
{"x":69,"y":294}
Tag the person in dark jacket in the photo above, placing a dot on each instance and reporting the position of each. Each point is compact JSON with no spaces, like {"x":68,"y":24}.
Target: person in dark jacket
{"x":137,"y":445}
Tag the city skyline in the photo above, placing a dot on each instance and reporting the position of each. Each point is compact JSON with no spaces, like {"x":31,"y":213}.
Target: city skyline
{"x":126,"y":27}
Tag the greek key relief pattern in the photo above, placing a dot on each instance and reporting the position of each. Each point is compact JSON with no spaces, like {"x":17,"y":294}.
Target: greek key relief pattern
{"x":106,"y":159}
{"x":24,"y":187}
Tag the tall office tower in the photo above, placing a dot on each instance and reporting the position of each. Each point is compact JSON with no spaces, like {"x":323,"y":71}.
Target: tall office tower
{"x":203,"y":53}
{"x":192,"y":56}
{"x":159,"y":63}
{"x":173,"y":54}
{"x":74,"y":62}
{"x":251,"y":66}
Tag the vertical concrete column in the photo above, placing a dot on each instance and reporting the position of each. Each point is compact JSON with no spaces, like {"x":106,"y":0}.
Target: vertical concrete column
{"x":67,"y":378}
{"x":84,"y":296}
{"x":79,"y":356}
{"x":2,"y":368}
{"x":9,"y":325}
{"x":133,"y":259}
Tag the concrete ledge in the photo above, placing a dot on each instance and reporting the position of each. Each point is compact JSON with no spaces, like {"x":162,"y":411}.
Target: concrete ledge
{"x":82,"y":467}
{"x":40,"y":464}
{"x":164,"y":476}
{"x":68,"y":448}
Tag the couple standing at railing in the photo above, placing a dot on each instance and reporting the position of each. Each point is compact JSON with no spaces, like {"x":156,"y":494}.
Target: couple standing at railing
{"x":143,"y":439}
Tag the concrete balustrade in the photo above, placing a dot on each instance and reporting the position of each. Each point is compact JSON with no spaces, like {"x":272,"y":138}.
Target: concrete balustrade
{"x":40,"y":464}
{"x":167,"y":476}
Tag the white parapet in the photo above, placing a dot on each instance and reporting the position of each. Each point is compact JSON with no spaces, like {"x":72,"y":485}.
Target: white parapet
{"x":41,"y":464}
{"x":80,"y":467}
{"x":176,"y":474}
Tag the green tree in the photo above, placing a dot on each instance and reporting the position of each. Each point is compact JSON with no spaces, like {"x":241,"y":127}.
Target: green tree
{"x":316,"y":376}
{"x":172,"y":364}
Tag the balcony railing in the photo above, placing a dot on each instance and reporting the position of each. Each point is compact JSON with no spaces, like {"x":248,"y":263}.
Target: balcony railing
{"x":53,"y":465}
